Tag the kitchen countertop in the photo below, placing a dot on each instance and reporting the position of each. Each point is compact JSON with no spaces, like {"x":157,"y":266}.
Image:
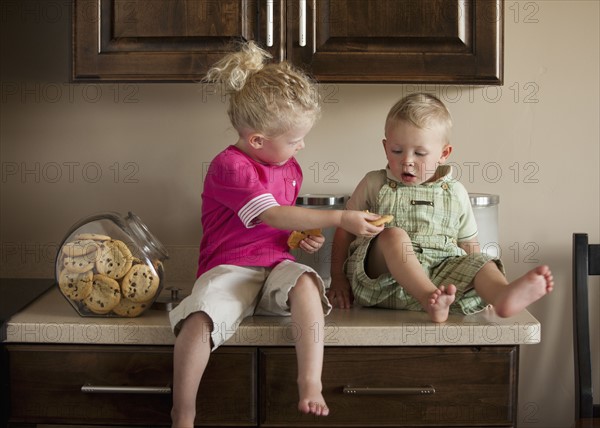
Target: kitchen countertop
{"x":17,"y":293}
{"x":51,"y":319}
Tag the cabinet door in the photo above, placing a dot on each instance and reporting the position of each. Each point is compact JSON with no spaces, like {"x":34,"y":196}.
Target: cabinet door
{"x":156,"y":40}
{"x":124,"y":385}
{"x":437,"y":41}
{"x":418,"y":386}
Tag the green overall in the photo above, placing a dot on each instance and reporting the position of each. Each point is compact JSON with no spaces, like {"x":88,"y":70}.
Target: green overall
{"x":431,"y":214}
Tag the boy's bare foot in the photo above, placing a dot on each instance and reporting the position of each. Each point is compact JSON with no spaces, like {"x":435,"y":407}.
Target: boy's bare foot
{"x":439,"y":303}
{"x":525,"y":290}
{"x":311,"y":400}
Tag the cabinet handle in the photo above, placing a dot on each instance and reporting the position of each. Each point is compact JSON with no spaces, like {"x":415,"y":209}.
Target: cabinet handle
{"x":270,"y":23}
{"x":302,"y":24}
{"x":101,"y":389}
{"x":367,"y":390}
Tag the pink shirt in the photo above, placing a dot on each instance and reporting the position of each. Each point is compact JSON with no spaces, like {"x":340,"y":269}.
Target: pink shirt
{"x":237,"y":189}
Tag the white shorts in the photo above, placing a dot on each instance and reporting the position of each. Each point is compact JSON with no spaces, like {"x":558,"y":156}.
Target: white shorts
{"x":229,"y":293}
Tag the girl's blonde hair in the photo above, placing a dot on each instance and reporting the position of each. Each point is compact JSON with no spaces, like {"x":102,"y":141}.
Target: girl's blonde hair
{"x":270,"y":98}
{"x":421,"y":110}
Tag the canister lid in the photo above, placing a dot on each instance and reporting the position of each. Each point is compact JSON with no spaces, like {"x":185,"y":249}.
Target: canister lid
{"x":483,"y":199}
{"x":315,"y":199}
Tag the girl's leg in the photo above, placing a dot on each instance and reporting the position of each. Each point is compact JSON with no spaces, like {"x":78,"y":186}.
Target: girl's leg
{"x":191,"y":354}
{"x":307,"y":315}
{"x":231,"y":292}
{"x":392,"y":252}
{"x":509,"y":299}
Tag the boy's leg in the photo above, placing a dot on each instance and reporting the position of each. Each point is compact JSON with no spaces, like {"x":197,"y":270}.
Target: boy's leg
{"x":307,"y":313}
{"x":509,"y":299}
{"x":191,"y":354}
{"x":392,"y":252}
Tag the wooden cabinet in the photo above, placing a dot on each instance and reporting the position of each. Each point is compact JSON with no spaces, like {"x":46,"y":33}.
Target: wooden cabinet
{"x":437,"y":41}
{"x":124,"y":385}
{"x":249,"y":386}
{"x":140,"y":40}
{"x":422,"y":386}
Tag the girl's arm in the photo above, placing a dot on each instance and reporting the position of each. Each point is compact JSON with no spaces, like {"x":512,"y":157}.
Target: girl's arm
{"x":298,"y":218}
{"x":340,"y":291}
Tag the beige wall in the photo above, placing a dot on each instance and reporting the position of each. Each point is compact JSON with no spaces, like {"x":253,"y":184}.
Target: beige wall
{"x":71,"y":150}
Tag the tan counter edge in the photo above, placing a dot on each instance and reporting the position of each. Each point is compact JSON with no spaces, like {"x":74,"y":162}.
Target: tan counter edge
{"x":51,"y":319}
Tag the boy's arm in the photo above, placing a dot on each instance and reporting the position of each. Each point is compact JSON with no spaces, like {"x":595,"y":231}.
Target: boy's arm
{"x":471,"y":246}
{"x":340,"y":291}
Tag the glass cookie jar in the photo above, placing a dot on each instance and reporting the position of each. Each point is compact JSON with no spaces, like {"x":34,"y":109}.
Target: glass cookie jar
{"x":110,"y":266}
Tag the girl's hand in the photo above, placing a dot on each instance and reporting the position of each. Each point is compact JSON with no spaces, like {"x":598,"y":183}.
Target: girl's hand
{"x":312,"y":243}
{"x":357,"y":223}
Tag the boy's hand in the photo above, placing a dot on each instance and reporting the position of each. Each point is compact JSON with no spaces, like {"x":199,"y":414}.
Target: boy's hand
{"x":357,"y":223}
{"x":340,"y":293}
{"x":312,"y":243}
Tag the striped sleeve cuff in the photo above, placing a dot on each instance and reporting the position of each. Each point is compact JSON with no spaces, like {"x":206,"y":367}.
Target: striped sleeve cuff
{"x":248,"y":213}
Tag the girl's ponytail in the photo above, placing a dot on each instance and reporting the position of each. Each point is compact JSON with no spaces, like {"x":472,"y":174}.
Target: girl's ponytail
{"x":265,"y":97}
{"x":233,"y":70}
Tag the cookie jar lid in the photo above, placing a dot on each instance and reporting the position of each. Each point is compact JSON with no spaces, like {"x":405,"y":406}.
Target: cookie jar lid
{"x":483,"y":199}
{"x":314,"y":199}
{"x":147,"y":242}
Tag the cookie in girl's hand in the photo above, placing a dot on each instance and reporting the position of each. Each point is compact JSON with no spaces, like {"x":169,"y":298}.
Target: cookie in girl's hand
{"x":297,"y":236}
{"x":386,"y":218}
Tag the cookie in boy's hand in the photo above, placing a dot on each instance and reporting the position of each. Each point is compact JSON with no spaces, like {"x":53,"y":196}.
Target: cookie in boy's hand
{"x":297,"y":236}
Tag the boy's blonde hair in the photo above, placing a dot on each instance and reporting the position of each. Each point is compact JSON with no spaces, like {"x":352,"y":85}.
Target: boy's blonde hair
{"x":270,"y":98}
{"x":421,"y":110}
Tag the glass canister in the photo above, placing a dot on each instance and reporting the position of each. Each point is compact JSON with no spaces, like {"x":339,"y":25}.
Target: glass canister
{"x":110,"y":266}
{"x":485,"y":209}
{"x":321,"y":260}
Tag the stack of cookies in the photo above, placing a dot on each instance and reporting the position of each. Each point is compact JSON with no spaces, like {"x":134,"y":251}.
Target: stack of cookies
{"x":101,"y":276}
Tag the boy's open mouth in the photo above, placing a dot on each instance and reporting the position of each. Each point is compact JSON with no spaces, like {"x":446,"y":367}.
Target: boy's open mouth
{"x":409,"y":178}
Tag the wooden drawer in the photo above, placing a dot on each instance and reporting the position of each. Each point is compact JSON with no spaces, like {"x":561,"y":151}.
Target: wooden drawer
{"x":473,"y":387}
{"x":46,"y":385}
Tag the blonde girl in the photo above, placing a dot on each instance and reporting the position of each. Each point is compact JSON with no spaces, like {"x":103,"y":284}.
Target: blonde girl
{"x":248,"y":211}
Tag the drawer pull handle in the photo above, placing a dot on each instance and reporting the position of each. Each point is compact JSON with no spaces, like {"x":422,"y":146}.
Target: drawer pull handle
{"x":270,"y":16}
{"x":302,"y":24}
{"x":101,"y":389}
{"x":366,"y":390}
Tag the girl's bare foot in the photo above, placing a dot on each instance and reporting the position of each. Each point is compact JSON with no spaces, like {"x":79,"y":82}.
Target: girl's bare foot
{"x":525,"y":290}
{"x":439,"y":303}
{"x":311,"y":400}
{"x":182,"y":421}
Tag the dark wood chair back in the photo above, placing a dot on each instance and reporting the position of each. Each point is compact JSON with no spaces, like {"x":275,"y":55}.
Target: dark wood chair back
{"x":586,"y":262}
